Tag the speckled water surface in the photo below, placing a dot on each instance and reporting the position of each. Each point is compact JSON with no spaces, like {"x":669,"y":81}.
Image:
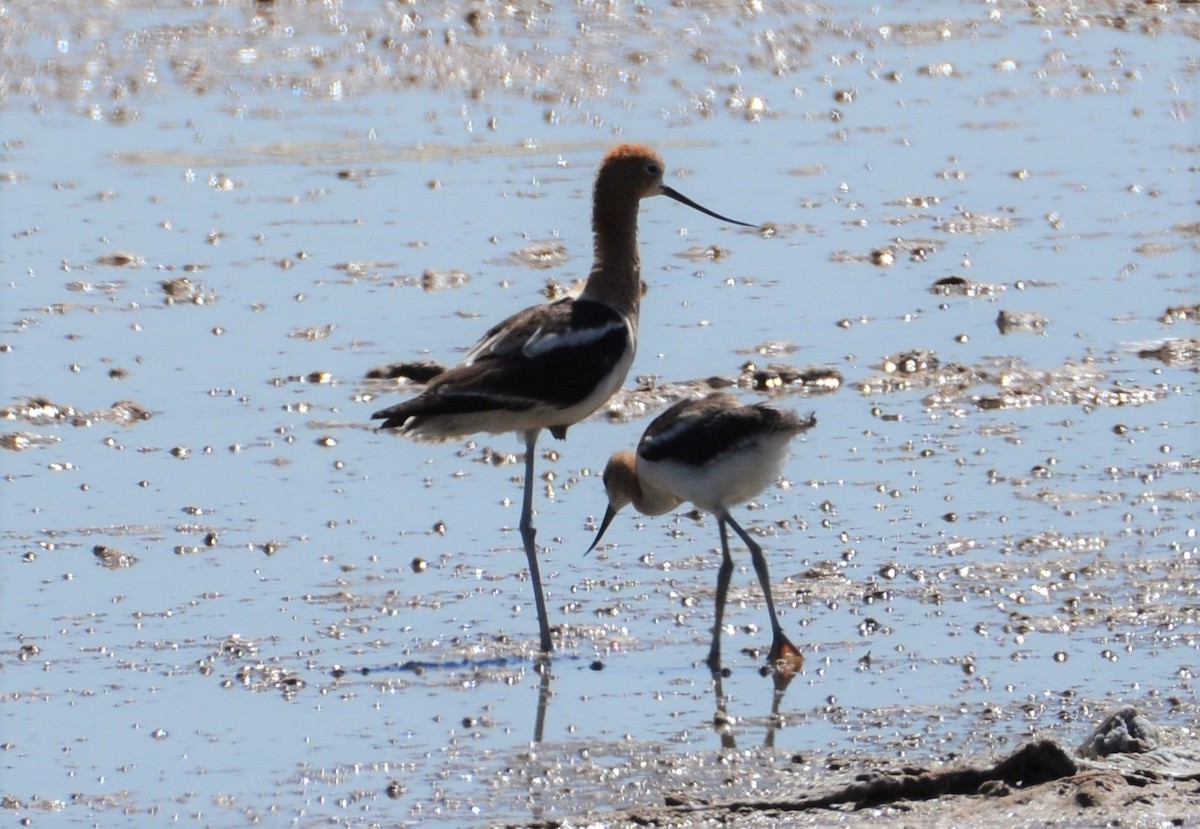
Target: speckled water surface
{"x":227,"y":600}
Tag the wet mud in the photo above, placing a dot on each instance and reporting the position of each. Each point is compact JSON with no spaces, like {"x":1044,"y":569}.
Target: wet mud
{"x":1040,"y":783}
{"x":232,"y":231}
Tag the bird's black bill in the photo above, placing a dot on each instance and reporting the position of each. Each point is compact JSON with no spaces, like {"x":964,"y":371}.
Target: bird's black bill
{"x":682,"y":199}
{"x":609,"y":515}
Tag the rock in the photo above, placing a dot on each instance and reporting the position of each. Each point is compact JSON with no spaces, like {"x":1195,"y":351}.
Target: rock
{"x":1125,"y":732}
{"x":1029,"y":322}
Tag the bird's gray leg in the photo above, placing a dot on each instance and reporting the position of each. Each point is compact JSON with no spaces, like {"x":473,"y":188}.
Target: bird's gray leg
{"x":764,"y":578}
{"x":723,"y":576}
{"x":528,"y":535}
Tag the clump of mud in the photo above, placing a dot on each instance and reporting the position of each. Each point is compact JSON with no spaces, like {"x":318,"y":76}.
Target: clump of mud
{"x":183,"y":291}
{"x":1004,"y":383}
{"x":41,"y":411}
{"x":1039,"y":783}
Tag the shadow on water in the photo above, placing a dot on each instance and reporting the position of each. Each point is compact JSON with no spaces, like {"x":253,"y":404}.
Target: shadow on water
{"x":541,"y":666}
{"x":781,"y":680}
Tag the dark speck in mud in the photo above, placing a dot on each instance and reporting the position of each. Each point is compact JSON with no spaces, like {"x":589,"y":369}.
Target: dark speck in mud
{"x":712,"y":253}
{"x":347,"y":174}
{"x":1174,"y":352}
{"x":112,"y":559}
{"x":265,"y":676}
{"x":434,"y":280}
{"x":475,"y":19}
{"x":1029,"y":322}
{"x":121,"y":260}
{"x":128,"y":412}
{"x":910,"y":362}
{"x":541,"y":255}
{"x":182,"y":290}
{"x":238,"y":647}
{"x":313,"y":333}
{"x":37,"y":410}
{"x":555,"y":290}
{"x":42,"y":411}
{"x":776,"y":377}
{"x":1180,"y":313}
{"x":418,"y":372}
{"x":20,"y":441}
{"x":961,"y":286}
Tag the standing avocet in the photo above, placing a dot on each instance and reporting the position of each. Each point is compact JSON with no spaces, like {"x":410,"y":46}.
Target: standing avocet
{"x":714,"y":453}
{"x":552,"y":365}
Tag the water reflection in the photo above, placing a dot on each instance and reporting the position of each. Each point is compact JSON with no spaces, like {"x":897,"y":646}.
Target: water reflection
{"x":723,"y":723}
{"x":542,"y":666}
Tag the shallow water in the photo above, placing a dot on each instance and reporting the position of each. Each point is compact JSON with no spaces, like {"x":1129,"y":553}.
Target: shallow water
{"x":999,"y":542}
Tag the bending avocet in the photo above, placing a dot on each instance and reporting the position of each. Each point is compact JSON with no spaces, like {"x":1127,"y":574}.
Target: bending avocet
{"x":714,"y":453}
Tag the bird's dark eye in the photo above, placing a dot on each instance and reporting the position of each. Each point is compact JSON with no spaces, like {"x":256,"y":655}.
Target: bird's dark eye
{"x":653,"y":169}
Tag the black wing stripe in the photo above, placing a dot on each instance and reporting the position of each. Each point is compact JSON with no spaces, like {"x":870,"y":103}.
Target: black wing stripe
{"x":694,"y":433}
{"x":567,"y":350}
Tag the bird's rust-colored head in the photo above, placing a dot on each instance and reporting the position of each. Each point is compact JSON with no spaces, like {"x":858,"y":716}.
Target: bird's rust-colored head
{"x":631,"y":172}
{"x":621,"y":485}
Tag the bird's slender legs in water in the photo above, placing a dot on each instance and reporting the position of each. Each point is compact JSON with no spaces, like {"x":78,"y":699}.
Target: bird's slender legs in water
{"x":528,"y":534}
{"x":542,"y":666}
{"x":723,"y":576}
{"x":779,"y":642}
{"x":764,"y":578}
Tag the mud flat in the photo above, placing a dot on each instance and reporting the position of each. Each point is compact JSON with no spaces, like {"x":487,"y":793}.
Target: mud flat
{"x":234,"y":230}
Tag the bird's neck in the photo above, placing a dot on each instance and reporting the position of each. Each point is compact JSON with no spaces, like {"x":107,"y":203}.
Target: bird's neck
{"x":651,"y":501}
{"x":616,"y":276}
